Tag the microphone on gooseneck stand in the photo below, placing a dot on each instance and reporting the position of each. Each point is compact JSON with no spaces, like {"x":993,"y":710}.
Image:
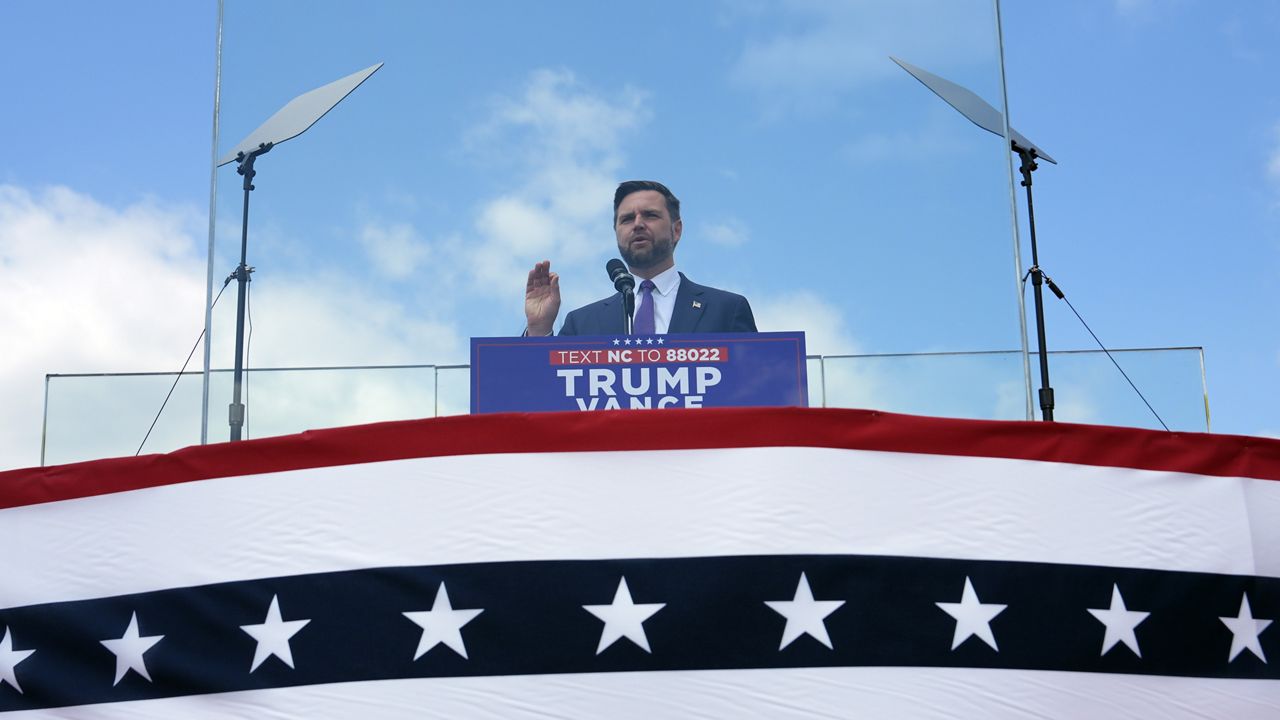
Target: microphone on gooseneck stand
{"x":618,"y":275}
{"x":625,"y":283}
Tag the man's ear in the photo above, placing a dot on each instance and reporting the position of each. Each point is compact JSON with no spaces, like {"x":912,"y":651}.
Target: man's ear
{"x":676,"y":228}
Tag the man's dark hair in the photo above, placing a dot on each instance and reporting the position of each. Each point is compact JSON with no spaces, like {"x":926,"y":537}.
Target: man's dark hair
{"x":634,"y":186}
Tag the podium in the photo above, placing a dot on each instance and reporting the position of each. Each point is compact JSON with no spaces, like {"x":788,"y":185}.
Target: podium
{"x":622,"y":372}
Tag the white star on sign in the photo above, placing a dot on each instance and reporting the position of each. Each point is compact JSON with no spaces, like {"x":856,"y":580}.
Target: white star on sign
{"x":1245,"y":631}
{"x":129,"y":650}
{"x":1120,"y":622}
{"x":623,"y":618}
{"x":627,"y":341}
{"x":9,"y":659}
{"x":659,"y":341}
{"x":616,"y":341}
{"x":805,"y":616}
{"x":649,"y":341}
{"x":273,"y":636}
{"x":442,"y":624}
{"x":972,"y":617}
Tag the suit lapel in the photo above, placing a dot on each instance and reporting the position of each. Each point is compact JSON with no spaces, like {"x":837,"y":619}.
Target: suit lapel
{"x":611,"y":321}
{"x":689,"y":307}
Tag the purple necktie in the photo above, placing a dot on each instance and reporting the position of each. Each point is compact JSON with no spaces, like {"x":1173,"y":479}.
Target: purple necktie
{"x":644,"y":314}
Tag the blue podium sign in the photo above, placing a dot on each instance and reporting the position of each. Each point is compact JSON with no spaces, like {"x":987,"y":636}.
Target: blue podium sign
{"x":606,"y":372}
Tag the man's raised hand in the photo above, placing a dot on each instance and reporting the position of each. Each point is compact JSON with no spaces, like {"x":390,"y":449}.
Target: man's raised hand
{"x":541,"y":300}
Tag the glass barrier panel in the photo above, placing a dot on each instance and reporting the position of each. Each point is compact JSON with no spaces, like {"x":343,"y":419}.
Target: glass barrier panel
{"x":974,"y":385}
{"x":98,"y":416}
{"x":90,"y":417}
{"x":453,"y":390}
{"x":1087,"y":386}
{"x":281,"y":402}
{"x":813,"y":371}
{"x":1089,"y":389}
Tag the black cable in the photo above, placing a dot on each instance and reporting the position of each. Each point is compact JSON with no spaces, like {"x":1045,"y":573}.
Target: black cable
{"x":248,"y":311}
{"x":1056,"y":291}
{"x":179,"y":377}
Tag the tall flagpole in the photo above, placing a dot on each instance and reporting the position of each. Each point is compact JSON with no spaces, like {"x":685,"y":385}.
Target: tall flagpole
{"x":213,"y":210}
{"x":1017,"y":226}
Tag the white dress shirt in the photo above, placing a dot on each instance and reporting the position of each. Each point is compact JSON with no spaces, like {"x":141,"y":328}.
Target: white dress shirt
{"x":666,"y":283}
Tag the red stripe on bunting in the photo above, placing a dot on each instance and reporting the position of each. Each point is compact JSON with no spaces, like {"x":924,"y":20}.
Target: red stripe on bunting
{"x":672,"y":429}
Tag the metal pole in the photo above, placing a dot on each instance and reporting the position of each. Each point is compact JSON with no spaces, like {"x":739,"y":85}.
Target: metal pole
{"x":236,"y":411}
{"x":1013,"y":219}
{"x":213,"y":211}
{"x":44,"y":423}
{"x":1037,"y":283}
{"x":1204,"y":389}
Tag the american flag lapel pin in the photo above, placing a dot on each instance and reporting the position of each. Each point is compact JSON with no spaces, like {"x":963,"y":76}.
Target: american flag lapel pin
{"x":697,"y":304}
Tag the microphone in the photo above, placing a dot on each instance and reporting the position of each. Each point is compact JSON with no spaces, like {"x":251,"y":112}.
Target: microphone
{"x":624,"y":281}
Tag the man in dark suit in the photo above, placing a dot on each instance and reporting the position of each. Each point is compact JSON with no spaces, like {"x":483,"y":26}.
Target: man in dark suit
{"x":646,"y":221}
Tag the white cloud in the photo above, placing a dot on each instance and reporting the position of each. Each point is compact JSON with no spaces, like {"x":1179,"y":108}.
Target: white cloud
{"x":288,"y":402}
{"x":521,"y":225}
{"x":564,"y":118}
{"x":731,"y":233}
{"x":826,"y":49}
{"x":938,"y":385}
{"x":822,"y":322}
{"x":847,"y":382}
{"x":560,"y":142}
{"x":395,"y":250}
{"x":90,"y":288}
{"x":326,"y":320}
{"x":321,"y":318}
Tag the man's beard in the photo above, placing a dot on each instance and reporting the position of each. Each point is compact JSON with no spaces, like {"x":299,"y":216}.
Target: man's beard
{"x":658,"y":251}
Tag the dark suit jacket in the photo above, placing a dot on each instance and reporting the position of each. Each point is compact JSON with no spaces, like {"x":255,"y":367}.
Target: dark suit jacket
{"x":698,"y":309}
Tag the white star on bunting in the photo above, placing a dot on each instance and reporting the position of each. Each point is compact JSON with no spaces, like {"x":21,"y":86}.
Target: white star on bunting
{"x":129,"y":650}
{"x":623,"y":618}
{"x":273,"y":636}
{"x":805,"y":616}
{"x":442,"y":624}
{"x":1120,"y":622}
{"x":9,"y":659}
{"x":1245,"y":631}
{"x":972,"y":617}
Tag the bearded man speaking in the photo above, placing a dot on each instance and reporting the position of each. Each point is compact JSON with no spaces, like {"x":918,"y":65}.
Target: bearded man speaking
{"x":646,"y":220}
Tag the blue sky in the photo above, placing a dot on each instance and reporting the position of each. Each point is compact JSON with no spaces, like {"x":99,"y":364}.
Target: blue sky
{"x":817,"y":178}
